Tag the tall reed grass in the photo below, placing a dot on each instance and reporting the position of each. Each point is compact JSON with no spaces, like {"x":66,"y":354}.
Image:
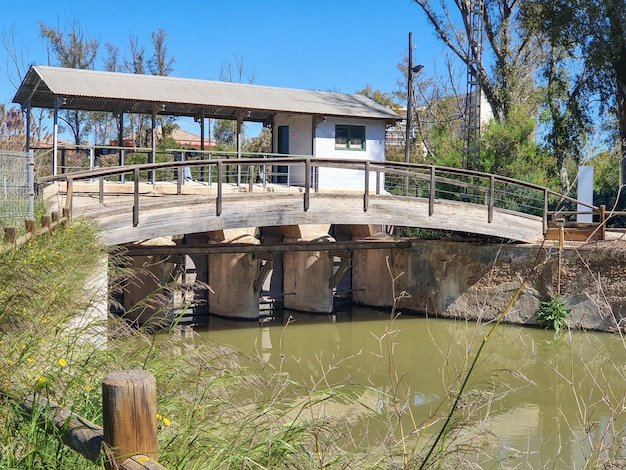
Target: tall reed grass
{"x":220,"y":409}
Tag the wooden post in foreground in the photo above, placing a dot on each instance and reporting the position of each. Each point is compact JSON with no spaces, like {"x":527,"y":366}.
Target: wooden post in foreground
{"x":10,"y":234}
{"x":129,"y":416}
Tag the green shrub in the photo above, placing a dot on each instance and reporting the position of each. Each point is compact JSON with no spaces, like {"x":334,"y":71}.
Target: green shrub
{"x":553,"y":313}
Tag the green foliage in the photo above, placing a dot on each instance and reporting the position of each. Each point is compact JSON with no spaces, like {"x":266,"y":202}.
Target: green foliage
{"x":509,"y":149}
{"x":606,"y":166}
{"x":553,"y":313}
{"x":224,"y":132}
{"x":36,"y":275}
{"x":446,"y":146}
{"x":382,"y":97}
{"x":260,"y":144}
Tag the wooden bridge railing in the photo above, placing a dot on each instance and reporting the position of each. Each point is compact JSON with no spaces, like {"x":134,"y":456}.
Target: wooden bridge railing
{"x":379,"y":178}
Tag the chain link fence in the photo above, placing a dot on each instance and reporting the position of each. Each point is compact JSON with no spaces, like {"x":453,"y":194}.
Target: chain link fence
{"x":16,"y":187}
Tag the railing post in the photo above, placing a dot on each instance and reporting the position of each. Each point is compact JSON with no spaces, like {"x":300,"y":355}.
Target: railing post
{"x":431,"y":193}
{"x":179,"y":180}
{"x":46,"y":223}
{"x":101,"y":190}
{"x":492,"y":192}
{"x":602,"y":222}
{"x":129,"y":416}
{"x":377,"y":182}
{"x":122,"y":163}
{"x":250,"y":178}
{"x":136,"y":198}
{"x":218,"y":201}
{"x":307,"y":183}
{"x":31,"y":227}
{"x":210,"y":176}
{"x":69,"y":194}
{"x":367,"y":187}
{"x":67,"y":215}
{"x":545,"y":211}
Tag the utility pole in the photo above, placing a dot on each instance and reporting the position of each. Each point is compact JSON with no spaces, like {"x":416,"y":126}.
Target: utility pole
{"x":409,"y":97}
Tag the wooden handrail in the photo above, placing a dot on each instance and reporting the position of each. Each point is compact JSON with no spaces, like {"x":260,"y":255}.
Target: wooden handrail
{"x":484,"y":185}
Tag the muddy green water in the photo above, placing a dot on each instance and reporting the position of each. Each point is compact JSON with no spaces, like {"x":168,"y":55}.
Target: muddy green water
{"x":535,"y":401}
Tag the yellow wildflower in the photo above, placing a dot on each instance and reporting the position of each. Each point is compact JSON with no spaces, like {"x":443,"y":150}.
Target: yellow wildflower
{"x":30,"y":360}
{"x":41,"y":380}
{"x":62,"y":362}
{"x":167,"y":421}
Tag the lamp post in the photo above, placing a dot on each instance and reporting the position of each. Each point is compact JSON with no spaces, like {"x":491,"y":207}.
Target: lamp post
{"x":407,"y":138}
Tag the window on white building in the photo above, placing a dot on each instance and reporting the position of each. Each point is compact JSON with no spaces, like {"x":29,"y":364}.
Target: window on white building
{"x":349,"y":137}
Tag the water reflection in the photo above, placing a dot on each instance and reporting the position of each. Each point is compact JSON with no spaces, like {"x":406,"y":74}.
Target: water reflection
{"x":544,"y":401}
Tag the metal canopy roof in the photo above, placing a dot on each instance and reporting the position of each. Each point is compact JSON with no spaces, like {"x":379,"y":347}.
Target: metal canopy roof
{"x":90,"y":90}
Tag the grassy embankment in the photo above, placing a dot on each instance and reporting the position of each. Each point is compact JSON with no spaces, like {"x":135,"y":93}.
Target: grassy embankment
{"x":205,"y":421}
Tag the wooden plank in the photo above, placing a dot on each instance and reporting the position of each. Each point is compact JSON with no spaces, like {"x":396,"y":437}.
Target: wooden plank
{"x":269,"y":248}
{"x":77,"y":433}
{"x":576,"y":234}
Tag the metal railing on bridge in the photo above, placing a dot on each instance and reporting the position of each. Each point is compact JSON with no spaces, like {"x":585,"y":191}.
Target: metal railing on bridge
{"x":255,"y":172}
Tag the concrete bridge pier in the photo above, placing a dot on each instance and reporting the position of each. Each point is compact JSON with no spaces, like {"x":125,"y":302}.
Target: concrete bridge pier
{"x":371,"y":281}
{"x":234,"y":279}
{"x":148,"y":300}
{"x":307,"y":275}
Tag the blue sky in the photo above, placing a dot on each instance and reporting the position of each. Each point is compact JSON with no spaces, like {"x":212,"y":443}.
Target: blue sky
{"x":319,"y":45}
{"x":323,"y":44}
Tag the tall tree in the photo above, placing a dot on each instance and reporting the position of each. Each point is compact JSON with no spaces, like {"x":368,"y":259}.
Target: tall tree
{"x":15,"y":66}
{"x":72,"y":49}
{"x":162,"y":64}
{"x":224,"y":130}
{"x":594,"y":31}
{"x":513,"y":54}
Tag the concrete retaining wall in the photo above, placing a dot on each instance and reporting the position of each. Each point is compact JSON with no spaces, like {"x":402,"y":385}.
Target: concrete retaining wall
{"x":472,"y":281}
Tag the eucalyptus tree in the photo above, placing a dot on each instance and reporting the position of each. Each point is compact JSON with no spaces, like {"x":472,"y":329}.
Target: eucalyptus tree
{"x":72,"y":49}
{"x":505,"y":59}
{"x":225,"y":130}
{"x":595,"y":31}
{"x":161,"y":63}
{"x":16,"y":61}
{"x":509,"y":58}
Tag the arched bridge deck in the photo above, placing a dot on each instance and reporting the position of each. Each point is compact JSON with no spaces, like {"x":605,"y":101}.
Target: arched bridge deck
{"x":139,"y":202}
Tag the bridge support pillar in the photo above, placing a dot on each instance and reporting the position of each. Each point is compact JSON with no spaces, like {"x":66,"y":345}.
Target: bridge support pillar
{"x":143,"y":303}
{"x":307,"y":274}
{"x":371,"y":281}
{"x":234,"y":278}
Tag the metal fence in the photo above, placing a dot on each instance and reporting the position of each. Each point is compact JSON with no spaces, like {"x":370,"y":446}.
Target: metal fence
{"x":16,"y":187}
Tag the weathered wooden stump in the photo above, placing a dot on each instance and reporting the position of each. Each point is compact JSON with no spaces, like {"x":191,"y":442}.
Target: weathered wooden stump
{"x":129,"y":416}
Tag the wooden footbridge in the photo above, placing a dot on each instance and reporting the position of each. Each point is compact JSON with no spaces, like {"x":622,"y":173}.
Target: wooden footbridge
{"x":138,"y":202}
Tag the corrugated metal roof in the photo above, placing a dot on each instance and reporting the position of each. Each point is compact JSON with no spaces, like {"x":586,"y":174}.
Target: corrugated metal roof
{"x":91,"y":90}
